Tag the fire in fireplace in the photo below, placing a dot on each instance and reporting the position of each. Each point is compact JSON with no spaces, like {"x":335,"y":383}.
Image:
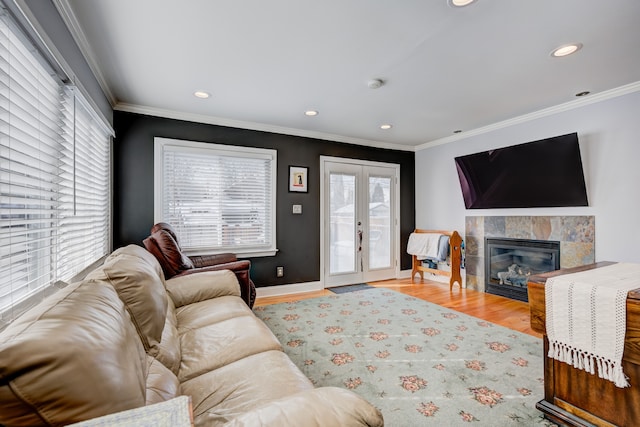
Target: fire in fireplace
{"x":510,"y":262}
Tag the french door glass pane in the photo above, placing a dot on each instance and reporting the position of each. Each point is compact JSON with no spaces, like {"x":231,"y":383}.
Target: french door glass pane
{"x":343,"y":221}
{"x":379,"y":222}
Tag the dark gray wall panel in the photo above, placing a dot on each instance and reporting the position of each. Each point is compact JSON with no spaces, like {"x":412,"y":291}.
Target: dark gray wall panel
{"x":298,"y":236}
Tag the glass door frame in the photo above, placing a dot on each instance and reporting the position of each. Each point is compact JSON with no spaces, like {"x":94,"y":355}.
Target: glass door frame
{"x":325,"y":221}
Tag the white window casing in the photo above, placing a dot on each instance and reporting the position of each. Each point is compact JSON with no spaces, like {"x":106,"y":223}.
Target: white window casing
{"x":219,"y":198}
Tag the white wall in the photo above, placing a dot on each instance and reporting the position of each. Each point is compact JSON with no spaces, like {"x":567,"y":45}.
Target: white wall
{"x":609,"y":135}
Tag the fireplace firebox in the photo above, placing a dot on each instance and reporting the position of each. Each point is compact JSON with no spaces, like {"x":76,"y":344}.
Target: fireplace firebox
{"x":510,"y":262}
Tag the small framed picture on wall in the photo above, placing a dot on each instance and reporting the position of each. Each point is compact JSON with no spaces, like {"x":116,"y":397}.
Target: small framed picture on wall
{"x":298,"y":178}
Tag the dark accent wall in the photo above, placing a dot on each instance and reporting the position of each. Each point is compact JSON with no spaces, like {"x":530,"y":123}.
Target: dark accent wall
{"x":298,"y":236}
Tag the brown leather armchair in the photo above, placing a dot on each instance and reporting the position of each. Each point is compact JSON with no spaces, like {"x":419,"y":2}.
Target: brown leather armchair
{"x":163,"y":244}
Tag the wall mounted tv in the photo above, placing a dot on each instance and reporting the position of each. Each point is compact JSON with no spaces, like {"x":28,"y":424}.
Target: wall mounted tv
{"x":545,"y":173}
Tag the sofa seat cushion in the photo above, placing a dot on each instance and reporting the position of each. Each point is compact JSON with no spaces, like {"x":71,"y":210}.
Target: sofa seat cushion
{"x":136,"y":276}
{"x":73,"y":357}
{"x":213,"y":346}
{"x":221,"y":395}
{"x":319,"y":407}
{"x":194,"y":316}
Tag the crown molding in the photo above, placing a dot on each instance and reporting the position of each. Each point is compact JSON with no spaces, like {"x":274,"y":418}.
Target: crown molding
{"x":68,"y":16}
{"x":567,"y":106}
{"x":263,"y":127}
{"x":199,"y":118}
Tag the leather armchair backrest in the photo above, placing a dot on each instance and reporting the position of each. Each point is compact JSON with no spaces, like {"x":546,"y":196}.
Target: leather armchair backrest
{"x":168,"y":228}
{"x":166,"y":250}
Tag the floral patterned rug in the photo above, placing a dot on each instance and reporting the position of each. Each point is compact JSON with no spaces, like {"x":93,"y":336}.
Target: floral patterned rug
{"x":419,"y":363}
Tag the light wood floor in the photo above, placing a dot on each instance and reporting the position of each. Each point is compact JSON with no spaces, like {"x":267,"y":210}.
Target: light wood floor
{"x":492,"y":308}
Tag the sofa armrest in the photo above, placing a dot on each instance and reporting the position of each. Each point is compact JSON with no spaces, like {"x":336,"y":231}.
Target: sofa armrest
{"x":240,"y":268}
{"x":200,"y":261}
{"x":324,"y":406}
{"x":233,"y":266}
{"x":192,"y":288}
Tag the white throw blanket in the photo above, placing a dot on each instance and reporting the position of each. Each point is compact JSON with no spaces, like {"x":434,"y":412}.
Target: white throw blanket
{"x":423,"y":245}
{"x":586,"y":317}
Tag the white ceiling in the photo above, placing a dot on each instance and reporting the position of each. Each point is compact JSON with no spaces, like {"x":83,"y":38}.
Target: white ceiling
{"x":444,"y":68}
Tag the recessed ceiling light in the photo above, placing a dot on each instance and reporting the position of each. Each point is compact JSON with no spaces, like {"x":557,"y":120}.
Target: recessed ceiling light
{"x":566,"y":49}
{"x":460,"y":3}
{"x":311,"y":113}
{"x":375,"y":83}
{"x":386,"y":126}
{"x":200,"y":94}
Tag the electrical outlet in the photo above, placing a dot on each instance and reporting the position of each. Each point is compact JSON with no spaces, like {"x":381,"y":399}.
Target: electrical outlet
{"x":279,"y":271}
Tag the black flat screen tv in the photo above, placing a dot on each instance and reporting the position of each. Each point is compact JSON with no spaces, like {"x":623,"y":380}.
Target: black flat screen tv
{"x":545,"y":173}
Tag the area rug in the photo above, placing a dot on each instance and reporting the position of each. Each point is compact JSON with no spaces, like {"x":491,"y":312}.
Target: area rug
{"x":419,"y":363}
{"x":349,"y":288}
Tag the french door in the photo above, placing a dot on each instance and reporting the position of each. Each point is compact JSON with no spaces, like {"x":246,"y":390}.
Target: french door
{"x":359,"y":226}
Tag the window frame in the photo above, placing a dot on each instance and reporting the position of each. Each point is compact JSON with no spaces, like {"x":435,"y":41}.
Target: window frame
{"x":65,"y":128}
{"x":161,"y":144}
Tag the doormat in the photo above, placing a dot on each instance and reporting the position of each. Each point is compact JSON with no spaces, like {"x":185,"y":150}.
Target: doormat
{"x":349,"y":288}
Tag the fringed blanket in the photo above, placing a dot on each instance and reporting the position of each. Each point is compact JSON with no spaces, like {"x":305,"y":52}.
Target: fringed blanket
{"x":586,"y":317}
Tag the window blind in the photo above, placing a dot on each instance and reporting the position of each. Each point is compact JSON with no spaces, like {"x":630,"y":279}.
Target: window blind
{"x":218,"y":199}
{"x":54,"y":177}
{"x":84,"y":211}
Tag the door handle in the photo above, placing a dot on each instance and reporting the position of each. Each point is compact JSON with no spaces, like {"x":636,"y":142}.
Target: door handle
{"x":360,"y":233}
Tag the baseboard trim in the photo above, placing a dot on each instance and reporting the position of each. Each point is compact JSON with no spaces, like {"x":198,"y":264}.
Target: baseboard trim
{"x":298,"y":288}
{"x":294,"y":288}
{"x":404,"y":274}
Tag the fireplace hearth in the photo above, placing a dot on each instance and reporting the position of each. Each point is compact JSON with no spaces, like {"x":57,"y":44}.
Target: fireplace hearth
{"x":510,"y":262}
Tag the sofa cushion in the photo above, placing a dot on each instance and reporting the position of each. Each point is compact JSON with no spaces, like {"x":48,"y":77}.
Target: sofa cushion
{"x":325,"y":406}
{"x":197,"y":315}
{"x":213,"y":346}
{"x":220,"y":395}
{"x":161,"y":384}
{"x":202,"y":286}
{"x":141,"y":288}
{"x":73,"y":357}
{"x":140,"y":252}
{"x":169,"y":352}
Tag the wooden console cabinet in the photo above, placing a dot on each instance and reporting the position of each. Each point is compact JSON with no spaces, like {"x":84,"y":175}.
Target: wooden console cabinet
{"x":574,"y":397}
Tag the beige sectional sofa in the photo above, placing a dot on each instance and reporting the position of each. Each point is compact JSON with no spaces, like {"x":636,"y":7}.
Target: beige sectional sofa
{"x":124,"y":338}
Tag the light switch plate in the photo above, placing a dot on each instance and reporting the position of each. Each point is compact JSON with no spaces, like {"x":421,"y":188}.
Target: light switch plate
{"x":297,"y":209}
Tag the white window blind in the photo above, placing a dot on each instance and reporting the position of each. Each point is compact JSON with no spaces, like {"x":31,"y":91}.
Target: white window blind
{"x":85,"y":175}
{"x":54,"y":178}
{"x":218,"y":198}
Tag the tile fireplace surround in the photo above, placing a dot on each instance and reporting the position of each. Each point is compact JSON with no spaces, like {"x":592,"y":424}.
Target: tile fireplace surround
{"x":576,"y":235}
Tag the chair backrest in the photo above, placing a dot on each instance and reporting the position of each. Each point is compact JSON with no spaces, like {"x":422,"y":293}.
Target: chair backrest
{"x":166,"y":227}
{"x":165,"y":248}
